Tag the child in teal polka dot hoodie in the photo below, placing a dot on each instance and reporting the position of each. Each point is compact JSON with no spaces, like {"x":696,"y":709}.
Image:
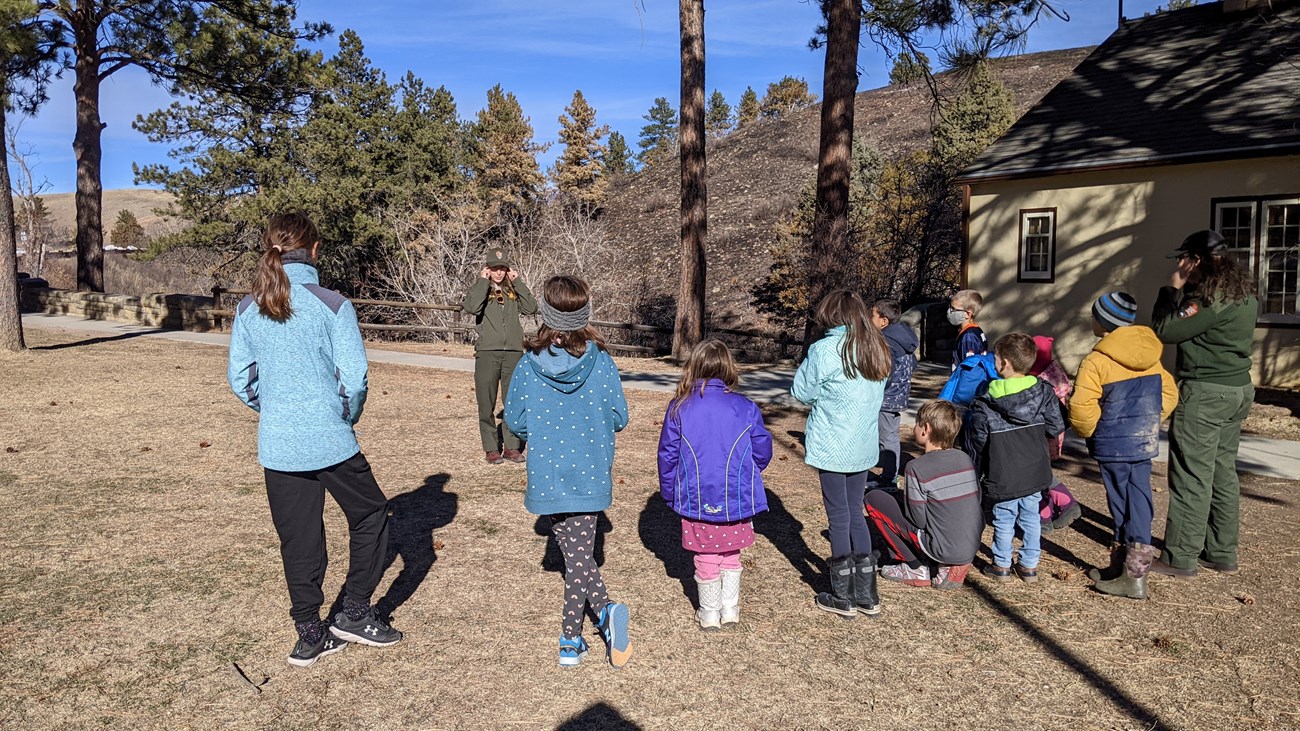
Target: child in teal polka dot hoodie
{"x":566,"y":401}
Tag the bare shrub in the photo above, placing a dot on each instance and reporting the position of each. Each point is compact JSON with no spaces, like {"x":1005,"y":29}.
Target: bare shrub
{"x":177,"y":271}
{"x":437,"y":256}
{"x":440,"y":254}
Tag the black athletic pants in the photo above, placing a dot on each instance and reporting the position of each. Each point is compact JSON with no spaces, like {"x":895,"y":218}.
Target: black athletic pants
{"x":298,"y":507}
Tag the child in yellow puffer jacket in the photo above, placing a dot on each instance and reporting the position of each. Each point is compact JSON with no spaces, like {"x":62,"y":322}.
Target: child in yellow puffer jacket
{"x":1121,"y":395}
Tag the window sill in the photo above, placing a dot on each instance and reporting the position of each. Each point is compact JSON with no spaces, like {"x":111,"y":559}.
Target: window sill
{"x":1274,"y":321}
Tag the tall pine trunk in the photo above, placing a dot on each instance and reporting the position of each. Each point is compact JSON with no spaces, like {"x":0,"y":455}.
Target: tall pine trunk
{"x":689,"y":327}
{"x":87,"y":146}
{"x":830,"y":232}
{"x":11,"y":322}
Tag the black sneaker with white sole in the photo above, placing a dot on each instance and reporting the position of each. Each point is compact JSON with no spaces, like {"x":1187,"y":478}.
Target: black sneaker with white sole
{"x":369,"y":630}
{"x":304,"y":654}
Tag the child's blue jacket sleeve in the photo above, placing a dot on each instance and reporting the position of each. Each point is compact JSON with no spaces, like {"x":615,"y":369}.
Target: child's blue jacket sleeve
{"x":950,"y":388}
{"x":350,"y":366}
{"x":806,"y":381}
{"x":760,"y":440}
{"x":241,"y":371}
{"x":619,"y":399}
{"x":670,"y":444}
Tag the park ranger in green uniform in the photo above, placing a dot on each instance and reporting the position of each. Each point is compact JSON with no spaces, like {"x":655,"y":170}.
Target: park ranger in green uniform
{"x":496,"y":300}
{"x":1209,"y":313}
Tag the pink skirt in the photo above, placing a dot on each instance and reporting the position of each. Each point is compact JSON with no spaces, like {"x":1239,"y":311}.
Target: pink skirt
{"x":701,"y":537}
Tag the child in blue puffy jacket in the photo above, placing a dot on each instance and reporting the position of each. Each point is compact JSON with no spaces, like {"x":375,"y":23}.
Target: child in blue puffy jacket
{"x":566,"y":400}
{"x":712,"y":451}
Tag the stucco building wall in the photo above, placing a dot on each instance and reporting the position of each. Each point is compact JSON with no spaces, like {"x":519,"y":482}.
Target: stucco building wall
{"x":1113,"y":231}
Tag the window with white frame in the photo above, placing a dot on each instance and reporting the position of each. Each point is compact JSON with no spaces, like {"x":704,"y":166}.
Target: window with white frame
{"x":1279,"y":243}
{"x":1038,"y":244}
{"x":1264,"y":235}
{"x":1236,"y":222}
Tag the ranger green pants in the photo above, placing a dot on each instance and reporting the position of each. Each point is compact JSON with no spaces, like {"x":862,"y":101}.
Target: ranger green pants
{"x":1203,"y":489}
{"x":493,"y":368}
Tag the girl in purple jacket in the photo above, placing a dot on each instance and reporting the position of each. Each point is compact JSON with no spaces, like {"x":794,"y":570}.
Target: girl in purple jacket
{"x":712,"y":451}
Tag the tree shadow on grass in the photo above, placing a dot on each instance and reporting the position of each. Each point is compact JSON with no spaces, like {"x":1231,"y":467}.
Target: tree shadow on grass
{"x":99,"y":340}
{"x":413,"y":517}
{"x":598,"y":717}
{"x":785,"y":531}
{"x":1145,"y":717}
{"x":660,"y":531}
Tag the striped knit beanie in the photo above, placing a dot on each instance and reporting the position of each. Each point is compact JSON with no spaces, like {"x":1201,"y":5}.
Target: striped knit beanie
{"x":1115,"y":309}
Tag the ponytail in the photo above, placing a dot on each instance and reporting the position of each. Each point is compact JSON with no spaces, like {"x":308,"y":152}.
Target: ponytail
{"x":290,"y":232}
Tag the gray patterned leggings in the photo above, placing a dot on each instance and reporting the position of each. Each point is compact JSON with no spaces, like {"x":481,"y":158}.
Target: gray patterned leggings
{"x":575,"y":534}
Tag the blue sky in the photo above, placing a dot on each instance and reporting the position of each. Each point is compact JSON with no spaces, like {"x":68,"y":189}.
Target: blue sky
{"x":620,"y":53}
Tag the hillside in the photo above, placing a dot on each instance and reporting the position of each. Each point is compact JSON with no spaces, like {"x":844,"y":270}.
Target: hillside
{"x":140,"y":201}
{"x":755,"y":176}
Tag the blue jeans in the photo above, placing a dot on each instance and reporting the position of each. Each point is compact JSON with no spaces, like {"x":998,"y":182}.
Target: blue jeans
{"x":1006,"y":516}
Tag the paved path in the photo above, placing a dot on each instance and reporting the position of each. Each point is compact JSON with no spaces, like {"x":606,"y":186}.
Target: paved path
{"x":1271,"y":457}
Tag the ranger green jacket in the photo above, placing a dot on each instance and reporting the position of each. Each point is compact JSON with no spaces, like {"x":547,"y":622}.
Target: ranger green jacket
{"x":498,"y":324}
{"x":1214,"y":342}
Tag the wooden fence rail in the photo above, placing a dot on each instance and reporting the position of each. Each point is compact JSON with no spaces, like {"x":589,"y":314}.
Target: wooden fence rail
{"x":218,"y":313}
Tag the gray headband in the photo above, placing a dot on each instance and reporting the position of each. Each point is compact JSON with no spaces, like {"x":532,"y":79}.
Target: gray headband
{"x":564,"y":321}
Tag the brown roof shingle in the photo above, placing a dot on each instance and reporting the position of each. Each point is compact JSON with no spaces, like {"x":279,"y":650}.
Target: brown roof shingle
{"x":1180,"y":86}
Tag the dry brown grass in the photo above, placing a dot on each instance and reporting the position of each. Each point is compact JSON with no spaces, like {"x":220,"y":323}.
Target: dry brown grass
{"x":139,"y":563}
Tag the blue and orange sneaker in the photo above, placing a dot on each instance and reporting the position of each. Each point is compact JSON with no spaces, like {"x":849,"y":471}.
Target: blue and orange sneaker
{"x":613,"y":625}
{"x":572,"y":650}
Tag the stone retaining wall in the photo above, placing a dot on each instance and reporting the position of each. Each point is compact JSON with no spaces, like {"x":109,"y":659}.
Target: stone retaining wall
{"x":171,"y":311}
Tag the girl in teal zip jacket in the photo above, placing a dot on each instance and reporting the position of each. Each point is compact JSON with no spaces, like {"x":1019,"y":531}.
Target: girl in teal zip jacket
{"x":296,"y":358}
{"x":843,"y":379}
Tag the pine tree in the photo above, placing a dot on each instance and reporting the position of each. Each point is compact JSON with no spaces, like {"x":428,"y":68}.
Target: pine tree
{"x":432,"y":148}
{"x":793,"y":285}
{"x":688,"y":324}
{"x":785,"y":96}
{"x":342,"y":152}
{"x":983,"y":111}
{"x":179,"y":44}
{"x":505,"y":168}
{"x":718,"y":120}
{"x":349,"y":144}
{"x":908,"y":68}
{"x":24,"y":69}
{"x":659,"y":137}
{"x":617,"y":158}
{"x":127,"y":231}
{"x":579,"y":170}
{"x":748,"y":111}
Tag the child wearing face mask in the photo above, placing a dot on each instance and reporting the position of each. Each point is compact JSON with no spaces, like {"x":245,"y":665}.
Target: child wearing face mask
{"x":963,"y":308}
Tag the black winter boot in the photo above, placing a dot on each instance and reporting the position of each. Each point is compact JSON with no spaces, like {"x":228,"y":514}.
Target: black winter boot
{"x":1115,"y":568}
{"x":1133,"y":582}
{"x":840,"y":599}
{"x":865,"y":598}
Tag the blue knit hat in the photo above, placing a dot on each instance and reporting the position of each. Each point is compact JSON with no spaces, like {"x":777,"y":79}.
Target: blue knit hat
{"x":1115,"y":309}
